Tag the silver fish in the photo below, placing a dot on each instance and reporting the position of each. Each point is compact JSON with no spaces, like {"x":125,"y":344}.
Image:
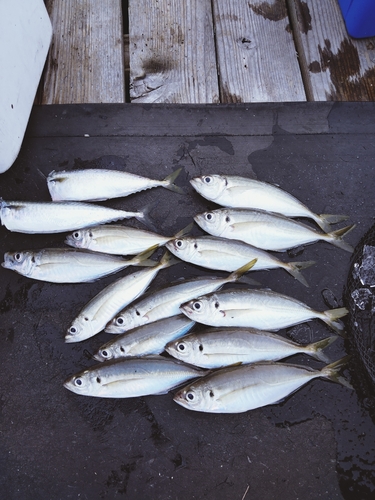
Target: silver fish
{"x":237,"y":389}
{"x":261,"y":309}
{"x":265,"y":230}
{"x":145,"y":340}
{"x":102,"y":184}
{"x":108,"y":302}
{"x":118,"y":240}
{"x":67,"y":265}
{"x":229,"y":255}
{"x":166,"y":302}
{"x":241,"y":192}
{"x":57,"y":217}
{"x":132,"y":377}
{"x":218,"y":347}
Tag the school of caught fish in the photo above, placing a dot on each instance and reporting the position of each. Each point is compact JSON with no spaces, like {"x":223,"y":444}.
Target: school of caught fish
{"x":233,"y":366}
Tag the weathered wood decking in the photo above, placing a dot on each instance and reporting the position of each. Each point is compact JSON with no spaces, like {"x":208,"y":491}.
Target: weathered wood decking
{"x":204,"y":51}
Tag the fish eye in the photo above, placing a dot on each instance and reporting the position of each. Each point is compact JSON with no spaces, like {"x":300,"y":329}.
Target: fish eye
{"x":179,"y":243}
{"x":76,"y":235}
{"x":207,"y":179}
{"x":181,"y":347}
{"x":18,"y":257}
{"x":73,"y":330}
{"x":104,"y":354}
{"x":190,"y":396}
{"x":78,"y":382}
{"x":120,"y":320}
{"x":197,"y":306}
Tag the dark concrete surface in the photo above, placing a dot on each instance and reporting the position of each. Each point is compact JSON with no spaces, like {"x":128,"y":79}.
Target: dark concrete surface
{"x":318,"y":444}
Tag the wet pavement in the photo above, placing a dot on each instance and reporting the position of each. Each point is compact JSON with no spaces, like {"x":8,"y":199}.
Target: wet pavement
{"x":318,"y":443}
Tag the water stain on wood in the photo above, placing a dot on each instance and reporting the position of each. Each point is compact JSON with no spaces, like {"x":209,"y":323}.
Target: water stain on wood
{"x":229,"y":97}
{"x":273,"y":12}
{"x":314,"y":67}
{"x":304,"y":16}
{"x":157,"y":65}
{"x":348,"y":84}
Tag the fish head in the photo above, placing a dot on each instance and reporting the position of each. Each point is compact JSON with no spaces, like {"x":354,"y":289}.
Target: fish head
{"x":82,"y":383}
{"x":198,"y":396}
{"x":82,"y":328}
{"x":82,"y":238}
{"x":183,"y":348}
{"x":184,"y":248}
{"x":21,"y":262}
{"x":124,"y":321}
{"x":107,"y":352}
{"x":205,"y":309}
{"x":209,"y":186}
{"x":212,"y":222}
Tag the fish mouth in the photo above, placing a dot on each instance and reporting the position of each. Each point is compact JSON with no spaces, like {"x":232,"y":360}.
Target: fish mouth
{"x":69,"y":241}
{"x":170,"y":350}
{"x":98,"y":357}
{"x":171,"y":246}
{"x":195,"y":181}
{"x":111,"y":328}
{"x":186,"y":309}
{"x":179,"y":399}
{"x":69,"y":339}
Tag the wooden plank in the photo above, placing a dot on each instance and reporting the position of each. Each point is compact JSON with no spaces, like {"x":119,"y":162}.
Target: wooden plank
{"x":86,"y":61}
{"x":172,"y":52}
{"x":335,"y":66}
{"x":256,"y":55}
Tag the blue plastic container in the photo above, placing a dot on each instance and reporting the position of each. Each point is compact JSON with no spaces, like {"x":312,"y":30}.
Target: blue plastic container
{"x":359,"y":17}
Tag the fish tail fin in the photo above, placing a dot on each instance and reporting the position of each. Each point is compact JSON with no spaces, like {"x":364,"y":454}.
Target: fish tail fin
{"x":316,"y":348}
{"x":169,"y":182}
{"x":184,"y":231}
{"x":294,"y":268}
{"x":142,"y":259}
{"x":144,"y":216}
{"x":168,"y":260}
{"x":335,"y":237}
{"x":332,"y":370}
{"x":236,"y":275}
{"x":331,"y":317}
{"x":325,"y":220}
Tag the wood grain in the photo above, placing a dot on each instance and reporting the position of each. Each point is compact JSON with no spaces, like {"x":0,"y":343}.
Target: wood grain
{"x":256,"y":54}
{"x":335,"y":66}
{"x":85,"y":62}
{"x":172,"y":52}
